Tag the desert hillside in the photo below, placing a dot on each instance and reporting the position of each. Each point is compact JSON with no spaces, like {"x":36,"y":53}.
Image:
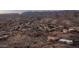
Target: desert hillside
{"x":51,"y":29}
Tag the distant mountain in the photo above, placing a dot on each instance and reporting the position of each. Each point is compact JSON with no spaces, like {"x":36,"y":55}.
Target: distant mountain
{"x":39,"y":13}
{"x":36,"y":13}
{"x":45,"y":13}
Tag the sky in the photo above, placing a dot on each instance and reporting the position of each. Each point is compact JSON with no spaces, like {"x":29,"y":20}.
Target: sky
{"x":11,"y":11}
